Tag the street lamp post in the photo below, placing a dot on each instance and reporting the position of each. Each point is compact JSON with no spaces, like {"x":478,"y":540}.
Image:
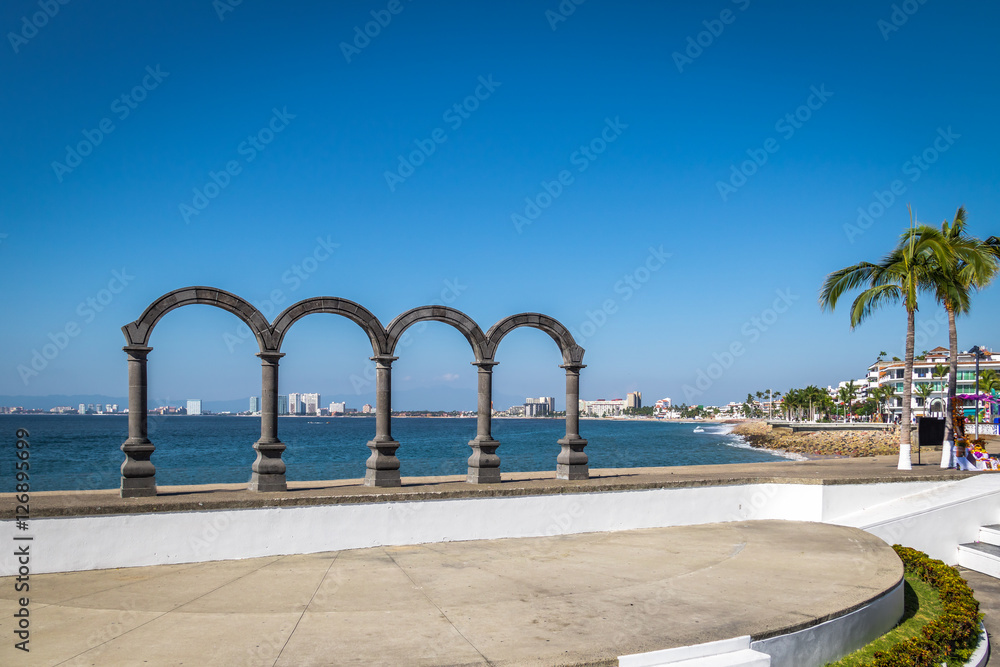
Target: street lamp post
{"x":979,"y":355}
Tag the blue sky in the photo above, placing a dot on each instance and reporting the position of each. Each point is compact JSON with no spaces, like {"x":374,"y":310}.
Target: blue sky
{"x":637,"y":115}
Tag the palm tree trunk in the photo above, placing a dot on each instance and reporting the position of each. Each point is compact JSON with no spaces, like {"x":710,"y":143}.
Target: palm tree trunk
{"x":947,"y":447}
{"x":904,"y":421}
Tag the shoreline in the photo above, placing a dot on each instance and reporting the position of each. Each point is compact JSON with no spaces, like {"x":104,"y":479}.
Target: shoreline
{"x":821,"y":444}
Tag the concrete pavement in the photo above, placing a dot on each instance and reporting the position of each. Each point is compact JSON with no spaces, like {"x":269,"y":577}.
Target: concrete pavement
{"x":987,"y":591}
{"x":565,"y":600}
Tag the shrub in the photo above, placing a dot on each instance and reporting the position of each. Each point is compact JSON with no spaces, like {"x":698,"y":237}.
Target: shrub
{"x":953,"y":635}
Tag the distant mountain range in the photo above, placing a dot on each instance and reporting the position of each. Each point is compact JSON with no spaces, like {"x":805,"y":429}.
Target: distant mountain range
{"x":435,"y":398}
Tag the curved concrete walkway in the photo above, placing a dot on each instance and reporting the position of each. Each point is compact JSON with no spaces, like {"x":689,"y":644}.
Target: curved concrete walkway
{"x":567,"y":600}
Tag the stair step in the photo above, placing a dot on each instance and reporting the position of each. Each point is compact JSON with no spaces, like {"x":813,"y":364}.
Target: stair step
{"x":983,"y":547}
{"x":990,"y":534}
{"x":735,"y":652}
{"x":981,"y":557}
{"x":744,"y":658}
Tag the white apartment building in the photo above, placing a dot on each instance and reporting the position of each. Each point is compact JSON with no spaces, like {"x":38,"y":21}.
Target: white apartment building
{"x":310,"y":404}
{"x":603,"y":407}
{"x":539,"y":407}
{"x":662,"y":408}
{"x":883,"y":373}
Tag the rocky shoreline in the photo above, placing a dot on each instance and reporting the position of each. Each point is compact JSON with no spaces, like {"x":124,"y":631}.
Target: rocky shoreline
{"x":848,"y":444}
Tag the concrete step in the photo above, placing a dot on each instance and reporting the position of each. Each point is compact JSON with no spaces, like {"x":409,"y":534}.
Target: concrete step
{"x":990,"y":534}
{"x":981,"y":557}
{"x":735,"y":652}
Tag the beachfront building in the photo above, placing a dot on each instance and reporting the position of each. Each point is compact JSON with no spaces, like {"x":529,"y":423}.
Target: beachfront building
{"x":367,"y":409}
{"x":194,"y":406}
{"x":310,"y":403}
{"x":663,"y":409}
{"x":633,"y":400}
{"x":255,"y":405}
{"x":604,"y":407}
{"x":929,"y":368}
{"x":539,"y":407}
{"x":282,"y":404}
{"x":860,"y":389}
{"x":338,"y":408}
{"x":295,"y":406}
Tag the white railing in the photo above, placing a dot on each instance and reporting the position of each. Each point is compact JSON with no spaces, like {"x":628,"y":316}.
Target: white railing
{"x":984,"y":429}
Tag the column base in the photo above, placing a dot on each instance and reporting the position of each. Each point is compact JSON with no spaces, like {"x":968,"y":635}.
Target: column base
{"x":572,"y":462}
{"x":268,"y":470}
{"x":484,"y":464}
{"x":382,"y":478}
{"x":138,"y":487}
{"x":264,"y":482}
{"x":382,"y":467}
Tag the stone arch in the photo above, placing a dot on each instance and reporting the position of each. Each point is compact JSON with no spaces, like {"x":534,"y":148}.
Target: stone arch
{"x":456,"y":318}
{"x":137,"y":333}
{"x":321,"y":304}
{"x":571,"y":352}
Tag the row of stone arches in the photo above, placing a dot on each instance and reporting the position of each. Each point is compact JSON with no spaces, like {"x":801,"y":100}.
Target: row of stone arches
{"x":382,"y":467}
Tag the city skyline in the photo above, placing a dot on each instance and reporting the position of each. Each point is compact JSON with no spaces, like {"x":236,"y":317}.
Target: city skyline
{"x":675,"y":197}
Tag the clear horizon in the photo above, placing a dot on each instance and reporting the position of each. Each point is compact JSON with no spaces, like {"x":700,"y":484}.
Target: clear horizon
{"x":672,"y":183}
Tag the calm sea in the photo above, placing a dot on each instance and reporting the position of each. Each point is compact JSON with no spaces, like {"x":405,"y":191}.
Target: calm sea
{"x":82,"y":452}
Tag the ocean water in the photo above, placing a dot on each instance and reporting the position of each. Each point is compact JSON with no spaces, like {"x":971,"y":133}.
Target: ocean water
{"x":82,"y":452}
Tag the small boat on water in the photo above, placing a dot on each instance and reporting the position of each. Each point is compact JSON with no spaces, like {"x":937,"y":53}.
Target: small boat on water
{"x":698,"y":429}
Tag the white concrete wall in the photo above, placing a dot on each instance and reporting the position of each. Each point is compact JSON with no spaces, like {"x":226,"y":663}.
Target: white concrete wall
{"x":935,"y":520}
{"x":833,"y":639}
{"x":949,"y":512}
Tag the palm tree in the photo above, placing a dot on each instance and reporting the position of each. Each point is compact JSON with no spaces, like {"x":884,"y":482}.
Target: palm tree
{"x":940,"y":371}
{"x":775,"y":395}
{"x":887,"y":392}
{"x":852,"y":391}
{"x":899,"y":277}
{"x":924,"y":391}
{"x":844,"y":394}
{"x":815,"y":398}
{"x":989,"y":382}
{"x":792,"y":402}
{"x":969,"y":265}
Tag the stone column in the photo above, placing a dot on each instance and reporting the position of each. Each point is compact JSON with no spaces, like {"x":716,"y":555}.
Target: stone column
{"x":382,"y":467}
{"x":484,"y":464}
{"x":138,"y":472}
{"x":572,"y":462}
{"x":268,"y":470}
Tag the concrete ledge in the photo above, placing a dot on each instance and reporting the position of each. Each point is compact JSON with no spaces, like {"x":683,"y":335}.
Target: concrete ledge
{"x":981,"y":656}
{"x":828,"y":472}
{"x":834,"y":638}
{"x":186,"y":527}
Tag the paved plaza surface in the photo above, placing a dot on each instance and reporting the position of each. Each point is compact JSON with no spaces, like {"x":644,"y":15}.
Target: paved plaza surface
{"x":564,"y":600}
{"x":987,"y":591}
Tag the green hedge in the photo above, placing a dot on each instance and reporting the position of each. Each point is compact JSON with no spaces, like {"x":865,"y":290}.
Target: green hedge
{"x":952,"y":636}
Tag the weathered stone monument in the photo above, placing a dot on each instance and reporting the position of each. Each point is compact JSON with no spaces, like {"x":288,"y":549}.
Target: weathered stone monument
{"x":382,"y":467}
